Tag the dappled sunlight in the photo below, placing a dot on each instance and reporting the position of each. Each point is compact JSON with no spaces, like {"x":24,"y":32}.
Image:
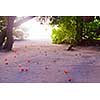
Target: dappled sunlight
{"x":36,"y":31}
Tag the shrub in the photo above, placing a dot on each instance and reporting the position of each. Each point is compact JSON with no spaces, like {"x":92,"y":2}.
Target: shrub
{"x":73,"y":29}
{"x":65,"y":31}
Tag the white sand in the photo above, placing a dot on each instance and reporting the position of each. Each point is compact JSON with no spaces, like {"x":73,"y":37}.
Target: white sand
{"x":46,"y":64}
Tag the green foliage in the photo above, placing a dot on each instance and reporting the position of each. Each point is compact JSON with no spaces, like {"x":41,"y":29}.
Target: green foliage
{"x":58,"y":35}
{"x":89,"y":30}
{"x":73,"y":29}
{"x":66,"y":30}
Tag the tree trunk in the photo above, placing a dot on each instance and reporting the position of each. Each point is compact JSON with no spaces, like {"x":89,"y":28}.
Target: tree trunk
{"x":6,"y":38}
{"x":2,"y":39}
{"x":9,"y":41}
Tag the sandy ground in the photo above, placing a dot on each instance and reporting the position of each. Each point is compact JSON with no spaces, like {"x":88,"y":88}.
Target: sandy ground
{"x":43,"y":62}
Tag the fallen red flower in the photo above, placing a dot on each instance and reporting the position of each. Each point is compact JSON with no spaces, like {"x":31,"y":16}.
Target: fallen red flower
{"x":19,"y":65}
{"x":69,"y":79}
{"x":66,"y":72}
{"x":22,"y":70}
{"x":6,"y":63}
{"x":54,"y":61}
{"x":14,"y":56}
{"x":46,"y":67}
{"x":5,"y":59}
{"x":28,"y":61}
{"x":26,"y":70}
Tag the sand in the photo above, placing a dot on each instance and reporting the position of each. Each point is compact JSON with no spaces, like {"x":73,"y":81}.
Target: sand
{"x":43,"y":62}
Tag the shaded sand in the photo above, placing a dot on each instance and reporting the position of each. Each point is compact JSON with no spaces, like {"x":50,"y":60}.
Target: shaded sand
{"x":43,"y":62}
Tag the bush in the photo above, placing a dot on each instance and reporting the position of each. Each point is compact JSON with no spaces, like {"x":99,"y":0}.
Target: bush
{"x":65,"y":31}
{"x":90,"y":30}
{"x":74,"y":30}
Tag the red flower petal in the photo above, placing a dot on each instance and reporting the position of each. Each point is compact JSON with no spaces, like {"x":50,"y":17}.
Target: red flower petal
{"x":46,"y":67}
{"x":69,"y":79}
{"x":5,"y":59}
{"x":66,"y":72}
{"x":19,"y":65}
{"x":6,"y":63}
{"x":22,"y":70}
{"x":26,"y":70}
{"x":28,"y":61}
{"x":14,"y":56}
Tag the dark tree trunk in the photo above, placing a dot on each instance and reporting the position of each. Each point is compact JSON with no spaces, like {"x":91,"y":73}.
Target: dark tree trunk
{"x":2,"y":39}
{"x":9,"y":37}
{"x":6,"y":38}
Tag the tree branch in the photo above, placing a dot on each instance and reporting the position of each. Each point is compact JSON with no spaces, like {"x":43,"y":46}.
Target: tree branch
{"x":23,"y":21}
